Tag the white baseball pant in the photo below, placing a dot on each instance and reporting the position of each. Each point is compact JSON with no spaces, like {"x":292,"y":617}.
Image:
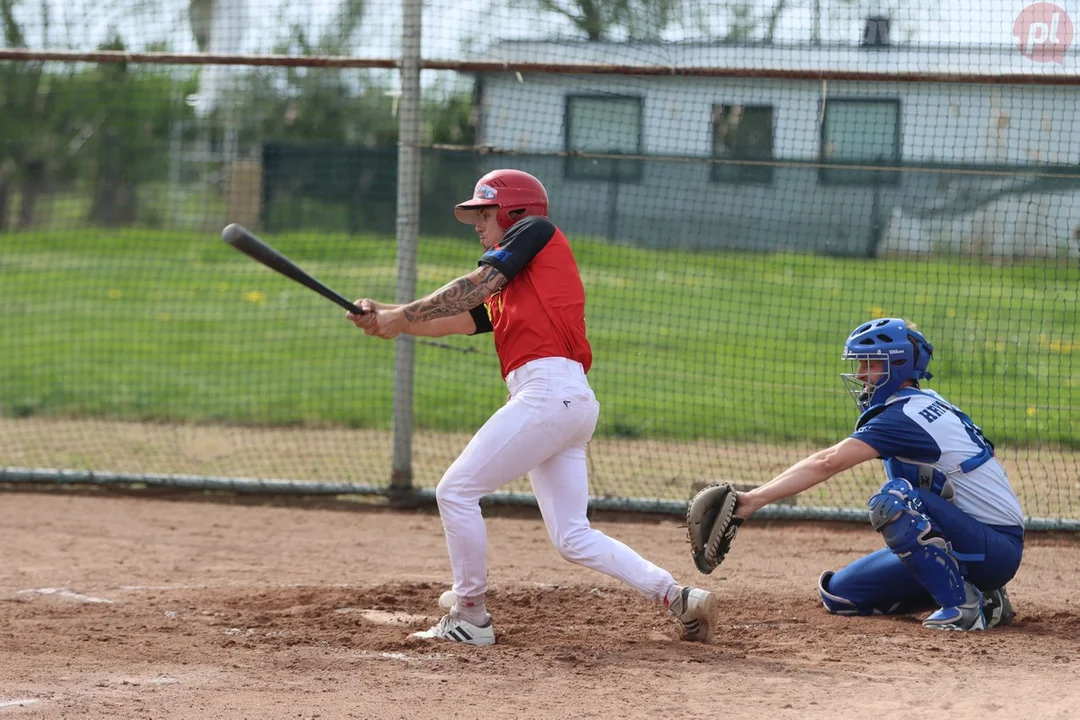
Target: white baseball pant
{"x":542,"y":431}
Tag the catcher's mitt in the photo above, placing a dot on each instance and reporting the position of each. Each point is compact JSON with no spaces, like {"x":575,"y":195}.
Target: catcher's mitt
{"x":711,"y":525}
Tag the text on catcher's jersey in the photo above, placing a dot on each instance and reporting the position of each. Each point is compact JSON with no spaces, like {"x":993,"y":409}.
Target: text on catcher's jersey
{"x":540,"y":312}
{"x":920,"y":426}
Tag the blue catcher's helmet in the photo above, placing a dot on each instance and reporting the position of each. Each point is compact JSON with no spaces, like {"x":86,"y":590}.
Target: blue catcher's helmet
{"x":905,"y":352}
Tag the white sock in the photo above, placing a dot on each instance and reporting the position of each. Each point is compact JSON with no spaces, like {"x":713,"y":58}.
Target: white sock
{"x":472,"y":609}
{"x":673,"y":599}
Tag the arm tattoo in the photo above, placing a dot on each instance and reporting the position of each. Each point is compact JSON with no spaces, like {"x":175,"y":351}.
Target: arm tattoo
{"x":457,"y":296}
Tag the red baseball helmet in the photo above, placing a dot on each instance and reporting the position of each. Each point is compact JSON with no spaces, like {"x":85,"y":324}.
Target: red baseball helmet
{"x":508,"y":190}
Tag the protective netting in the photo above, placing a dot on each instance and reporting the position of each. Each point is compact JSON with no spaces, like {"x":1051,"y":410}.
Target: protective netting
{"x":742,"y":185}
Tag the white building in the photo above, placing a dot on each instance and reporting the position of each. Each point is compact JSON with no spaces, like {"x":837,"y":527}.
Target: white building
{"x":991,"y":164}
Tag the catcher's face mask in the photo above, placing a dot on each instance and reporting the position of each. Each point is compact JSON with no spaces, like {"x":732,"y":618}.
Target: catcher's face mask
{"x":867,"y":374}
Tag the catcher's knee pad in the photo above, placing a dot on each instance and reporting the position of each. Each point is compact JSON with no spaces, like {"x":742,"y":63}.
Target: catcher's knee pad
{"x":893,"y":498}
{"x":835,"y":604}
{"x":919,"y":545}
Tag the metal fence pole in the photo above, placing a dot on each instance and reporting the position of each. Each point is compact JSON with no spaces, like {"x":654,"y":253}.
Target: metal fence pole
{"x":408,"y":233}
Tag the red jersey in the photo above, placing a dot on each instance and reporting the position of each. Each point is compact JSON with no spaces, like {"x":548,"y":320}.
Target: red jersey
{"x":540,"y":313}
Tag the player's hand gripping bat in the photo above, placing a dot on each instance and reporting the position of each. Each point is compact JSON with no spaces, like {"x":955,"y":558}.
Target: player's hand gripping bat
{"x":240,"y":238}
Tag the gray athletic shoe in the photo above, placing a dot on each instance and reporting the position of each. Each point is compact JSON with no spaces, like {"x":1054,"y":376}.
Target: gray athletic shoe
{"x":966,"y":617}
{"x":998,"y":608}
{"x":695,"y":609}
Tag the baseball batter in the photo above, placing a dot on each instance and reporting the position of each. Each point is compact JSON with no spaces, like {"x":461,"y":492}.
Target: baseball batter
{"x":527,"y":291}
{"x":952,"y":526}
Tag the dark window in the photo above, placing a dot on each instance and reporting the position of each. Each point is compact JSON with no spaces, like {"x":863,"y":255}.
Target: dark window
{"x":860,"y":132}
{"x":603,"y":124}
{"x":742,"y":132}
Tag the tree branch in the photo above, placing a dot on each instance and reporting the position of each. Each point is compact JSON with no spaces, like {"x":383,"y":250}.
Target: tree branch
{"x":774,"y":19}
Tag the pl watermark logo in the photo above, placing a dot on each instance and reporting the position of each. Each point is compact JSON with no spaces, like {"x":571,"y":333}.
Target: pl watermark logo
{"x":1044,"y":32}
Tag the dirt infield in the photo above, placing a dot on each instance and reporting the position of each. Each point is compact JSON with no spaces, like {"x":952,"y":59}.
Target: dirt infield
{"x":123,"y":607}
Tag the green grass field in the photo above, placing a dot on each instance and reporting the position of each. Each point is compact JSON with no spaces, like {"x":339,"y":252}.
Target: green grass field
{"x":151,"y":325}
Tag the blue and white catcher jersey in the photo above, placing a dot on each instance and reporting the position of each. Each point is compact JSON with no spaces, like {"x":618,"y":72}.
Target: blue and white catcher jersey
{"x":921,"y":427}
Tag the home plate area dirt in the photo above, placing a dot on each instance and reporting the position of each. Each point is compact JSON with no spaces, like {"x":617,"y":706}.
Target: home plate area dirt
{"x":127,"y":607}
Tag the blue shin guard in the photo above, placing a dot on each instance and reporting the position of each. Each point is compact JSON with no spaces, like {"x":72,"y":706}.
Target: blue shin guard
{"x":919,"y":545}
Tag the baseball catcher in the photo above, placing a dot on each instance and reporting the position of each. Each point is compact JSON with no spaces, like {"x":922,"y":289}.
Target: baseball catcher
{"x":711,"y":525}
{"x":951,"y":524}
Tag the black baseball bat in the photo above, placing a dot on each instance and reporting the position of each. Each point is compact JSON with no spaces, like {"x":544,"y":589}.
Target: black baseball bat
{"x":243,"y":240}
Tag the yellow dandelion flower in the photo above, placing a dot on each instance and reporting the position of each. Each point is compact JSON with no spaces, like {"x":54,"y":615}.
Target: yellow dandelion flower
{"x":1031,"y":412}
{"x":255,"y":297}
{"x":876,"y":312}
{"x":950,"y":312}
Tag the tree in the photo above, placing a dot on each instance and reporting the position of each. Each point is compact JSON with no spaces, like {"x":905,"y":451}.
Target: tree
{"x":17,"y":84}
{"x":28,"y":124}
{"x":315,"y":104}
{"x":600,"y":19}
{"x":731,"y":21}
{"x":133,"y":112}
{"x":114,"y":189}
{"x":201,"y":15}
{"x":62,"y":123}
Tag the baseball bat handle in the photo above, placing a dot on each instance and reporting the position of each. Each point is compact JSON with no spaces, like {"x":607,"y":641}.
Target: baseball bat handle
{"x":243,"y":240}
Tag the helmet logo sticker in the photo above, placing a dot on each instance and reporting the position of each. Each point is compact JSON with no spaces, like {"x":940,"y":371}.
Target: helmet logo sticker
{"x":486,"y":192}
